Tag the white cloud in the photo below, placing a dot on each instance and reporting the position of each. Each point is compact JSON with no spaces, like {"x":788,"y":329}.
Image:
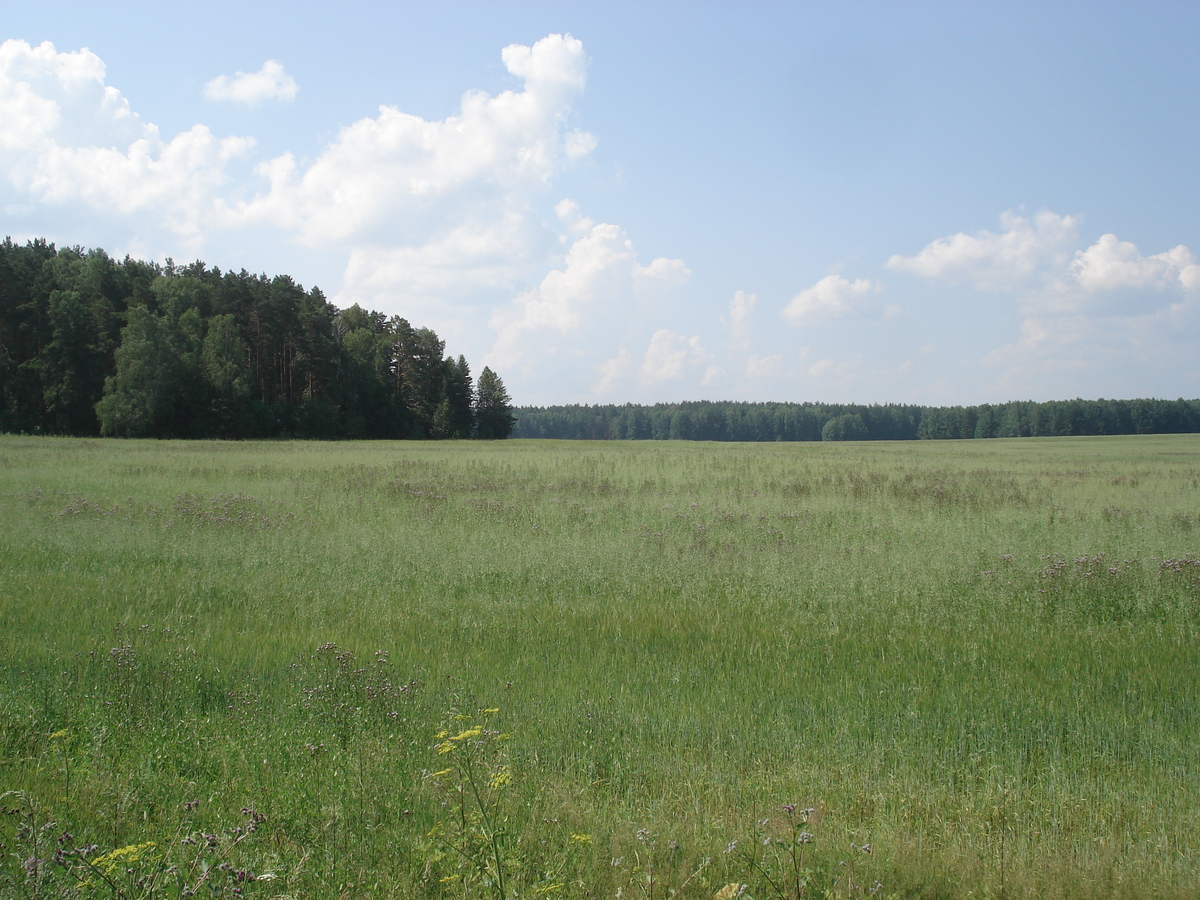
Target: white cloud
{"x":668,"y":355}
{"x":588,"y":309}
{"x":663,"y":274}
{"x":390,"y":187}
{"x":991,"y":261}
{"x":68,"y":138}
{"x":1110,"y":264}
{"x":270,"y":82}
{"x":402,"y":179}
{"x":46,"y":95}
{"x":831,"y":297}
{"x":456,"y":267}
{"x":1091,"y":320}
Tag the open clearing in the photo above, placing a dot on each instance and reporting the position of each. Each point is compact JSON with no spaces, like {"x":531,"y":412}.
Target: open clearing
{"x":978,"y":658}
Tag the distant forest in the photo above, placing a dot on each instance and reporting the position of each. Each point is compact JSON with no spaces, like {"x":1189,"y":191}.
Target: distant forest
{"x":729,"y":421}
{"x":91,"y":346}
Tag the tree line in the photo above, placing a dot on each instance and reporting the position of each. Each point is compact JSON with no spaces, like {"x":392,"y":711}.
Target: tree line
{"x":92,"y":346}
{"x":737,"y":421}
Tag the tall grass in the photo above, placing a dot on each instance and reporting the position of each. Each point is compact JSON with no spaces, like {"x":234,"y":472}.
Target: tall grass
{"x":978,"y":658}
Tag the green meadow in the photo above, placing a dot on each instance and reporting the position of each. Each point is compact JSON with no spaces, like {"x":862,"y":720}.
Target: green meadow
{"x":573,"y":669}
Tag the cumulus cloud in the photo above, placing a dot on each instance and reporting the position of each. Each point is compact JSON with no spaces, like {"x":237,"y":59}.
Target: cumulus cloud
{"x":270,"y":82}
{"x":831,"y":297}
{"x":988,"y":260}
{"x":66,"y":137}
{"x":1104,"y":314}
{"x":47,"y":96}
{"x":1114,"y":265}
{"x":453,"y":269}
{"x":401,"y":177}
{"x":386,"y":184}
{"x":587,"y":309}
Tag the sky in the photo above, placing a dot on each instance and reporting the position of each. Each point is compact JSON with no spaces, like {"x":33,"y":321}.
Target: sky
{"x":934,"y":203}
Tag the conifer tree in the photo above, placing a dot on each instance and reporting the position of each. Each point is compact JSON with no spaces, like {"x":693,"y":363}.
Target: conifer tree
{"x":494,"y":419}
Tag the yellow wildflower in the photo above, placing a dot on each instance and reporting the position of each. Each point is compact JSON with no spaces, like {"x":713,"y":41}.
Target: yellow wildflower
{"x":581,"y":838}
{"x":501,"y":778}
{"x":122,"y":857}
{"x":469,"y":733}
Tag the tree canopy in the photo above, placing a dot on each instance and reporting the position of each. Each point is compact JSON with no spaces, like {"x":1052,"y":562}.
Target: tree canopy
{"x":89,"y":345}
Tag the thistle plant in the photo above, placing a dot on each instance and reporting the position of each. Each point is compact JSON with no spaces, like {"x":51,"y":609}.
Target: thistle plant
{"x":781,"y":856}
{"x":46,"y":862}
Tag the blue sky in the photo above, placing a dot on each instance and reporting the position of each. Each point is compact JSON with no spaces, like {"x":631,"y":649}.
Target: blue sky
{"x":918,"y":202}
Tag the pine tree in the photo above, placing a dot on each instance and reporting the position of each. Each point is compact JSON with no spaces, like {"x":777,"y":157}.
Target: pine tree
{"x":494,"y":419}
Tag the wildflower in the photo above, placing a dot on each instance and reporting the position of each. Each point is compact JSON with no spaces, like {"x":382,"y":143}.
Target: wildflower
{"x":501,"y":778}
{"x":122,"y":857}
{"x":805,"y":837}
{"x":730,"y":847}
{"x":581,"y":838}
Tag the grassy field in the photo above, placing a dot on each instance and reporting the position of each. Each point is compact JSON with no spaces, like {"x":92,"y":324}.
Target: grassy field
{"x":976,"y":663}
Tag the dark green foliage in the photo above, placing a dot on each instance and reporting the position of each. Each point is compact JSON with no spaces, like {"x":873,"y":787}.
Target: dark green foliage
{"x":731,"y":421}
{"x":455,"y":416}
{"x":90,"y":346}
{"x":846,"y":427}
{"x":138,"y":397}
{"x":493,"y":407}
